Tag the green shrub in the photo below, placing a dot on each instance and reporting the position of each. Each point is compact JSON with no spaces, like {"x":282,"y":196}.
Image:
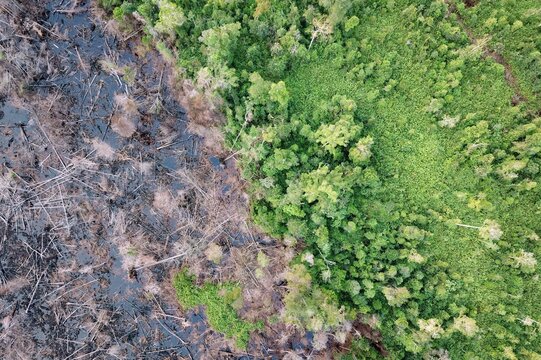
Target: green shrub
{"x":221,"y":303}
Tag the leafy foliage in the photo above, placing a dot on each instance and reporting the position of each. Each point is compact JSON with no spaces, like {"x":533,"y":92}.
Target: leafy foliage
{"x":220,"y":302}
{"x":369,"y":130}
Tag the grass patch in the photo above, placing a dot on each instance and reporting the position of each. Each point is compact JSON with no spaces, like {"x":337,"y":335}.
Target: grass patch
{"x":221,"y":302}
{"x":310,"y":83}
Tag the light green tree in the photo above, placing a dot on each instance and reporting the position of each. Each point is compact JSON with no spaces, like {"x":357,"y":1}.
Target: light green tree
{"x":220,"y":42}
{"x":279,"y":94}
{"x":337,"y":135}
{"x":170,"y":16}
{"x":396,"y":296}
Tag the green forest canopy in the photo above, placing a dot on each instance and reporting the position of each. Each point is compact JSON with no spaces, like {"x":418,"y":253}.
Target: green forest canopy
{"x":400,"y":141}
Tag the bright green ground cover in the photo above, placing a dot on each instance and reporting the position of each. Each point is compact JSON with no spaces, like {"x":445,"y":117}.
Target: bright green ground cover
{"x":221,"y":303}
{"x":512,"y":28}
{"x":448,"y":149}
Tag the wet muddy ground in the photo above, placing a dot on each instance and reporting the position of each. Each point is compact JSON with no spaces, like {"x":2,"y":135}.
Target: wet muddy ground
{"x":104,"y":195}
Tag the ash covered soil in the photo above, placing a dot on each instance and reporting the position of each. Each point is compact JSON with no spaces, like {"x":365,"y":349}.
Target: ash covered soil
{"x":105,"y":195}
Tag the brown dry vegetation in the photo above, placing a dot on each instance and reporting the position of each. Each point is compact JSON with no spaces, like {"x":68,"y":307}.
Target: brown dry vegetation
{"x":124,"y":121}
{"x":205,"y":116}
{"x":64,"y":246}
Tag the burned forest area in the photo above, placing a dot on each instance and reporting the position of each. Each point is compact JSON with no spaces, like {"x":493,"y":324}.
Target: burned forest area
{"x":270,"y":179}
{"x":105,"y":194}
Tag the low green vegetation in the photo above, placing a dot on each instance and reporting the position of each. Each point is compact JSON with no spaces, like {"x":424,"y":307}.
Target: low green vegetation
{"x":391,"y":145}
{"x":511,"y":28}
{"x":221,"y":303}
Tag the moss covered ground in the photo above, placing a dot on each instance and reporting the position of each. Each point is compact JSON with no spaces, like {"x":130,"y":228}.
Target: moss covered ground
{"x":221,"y":303}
